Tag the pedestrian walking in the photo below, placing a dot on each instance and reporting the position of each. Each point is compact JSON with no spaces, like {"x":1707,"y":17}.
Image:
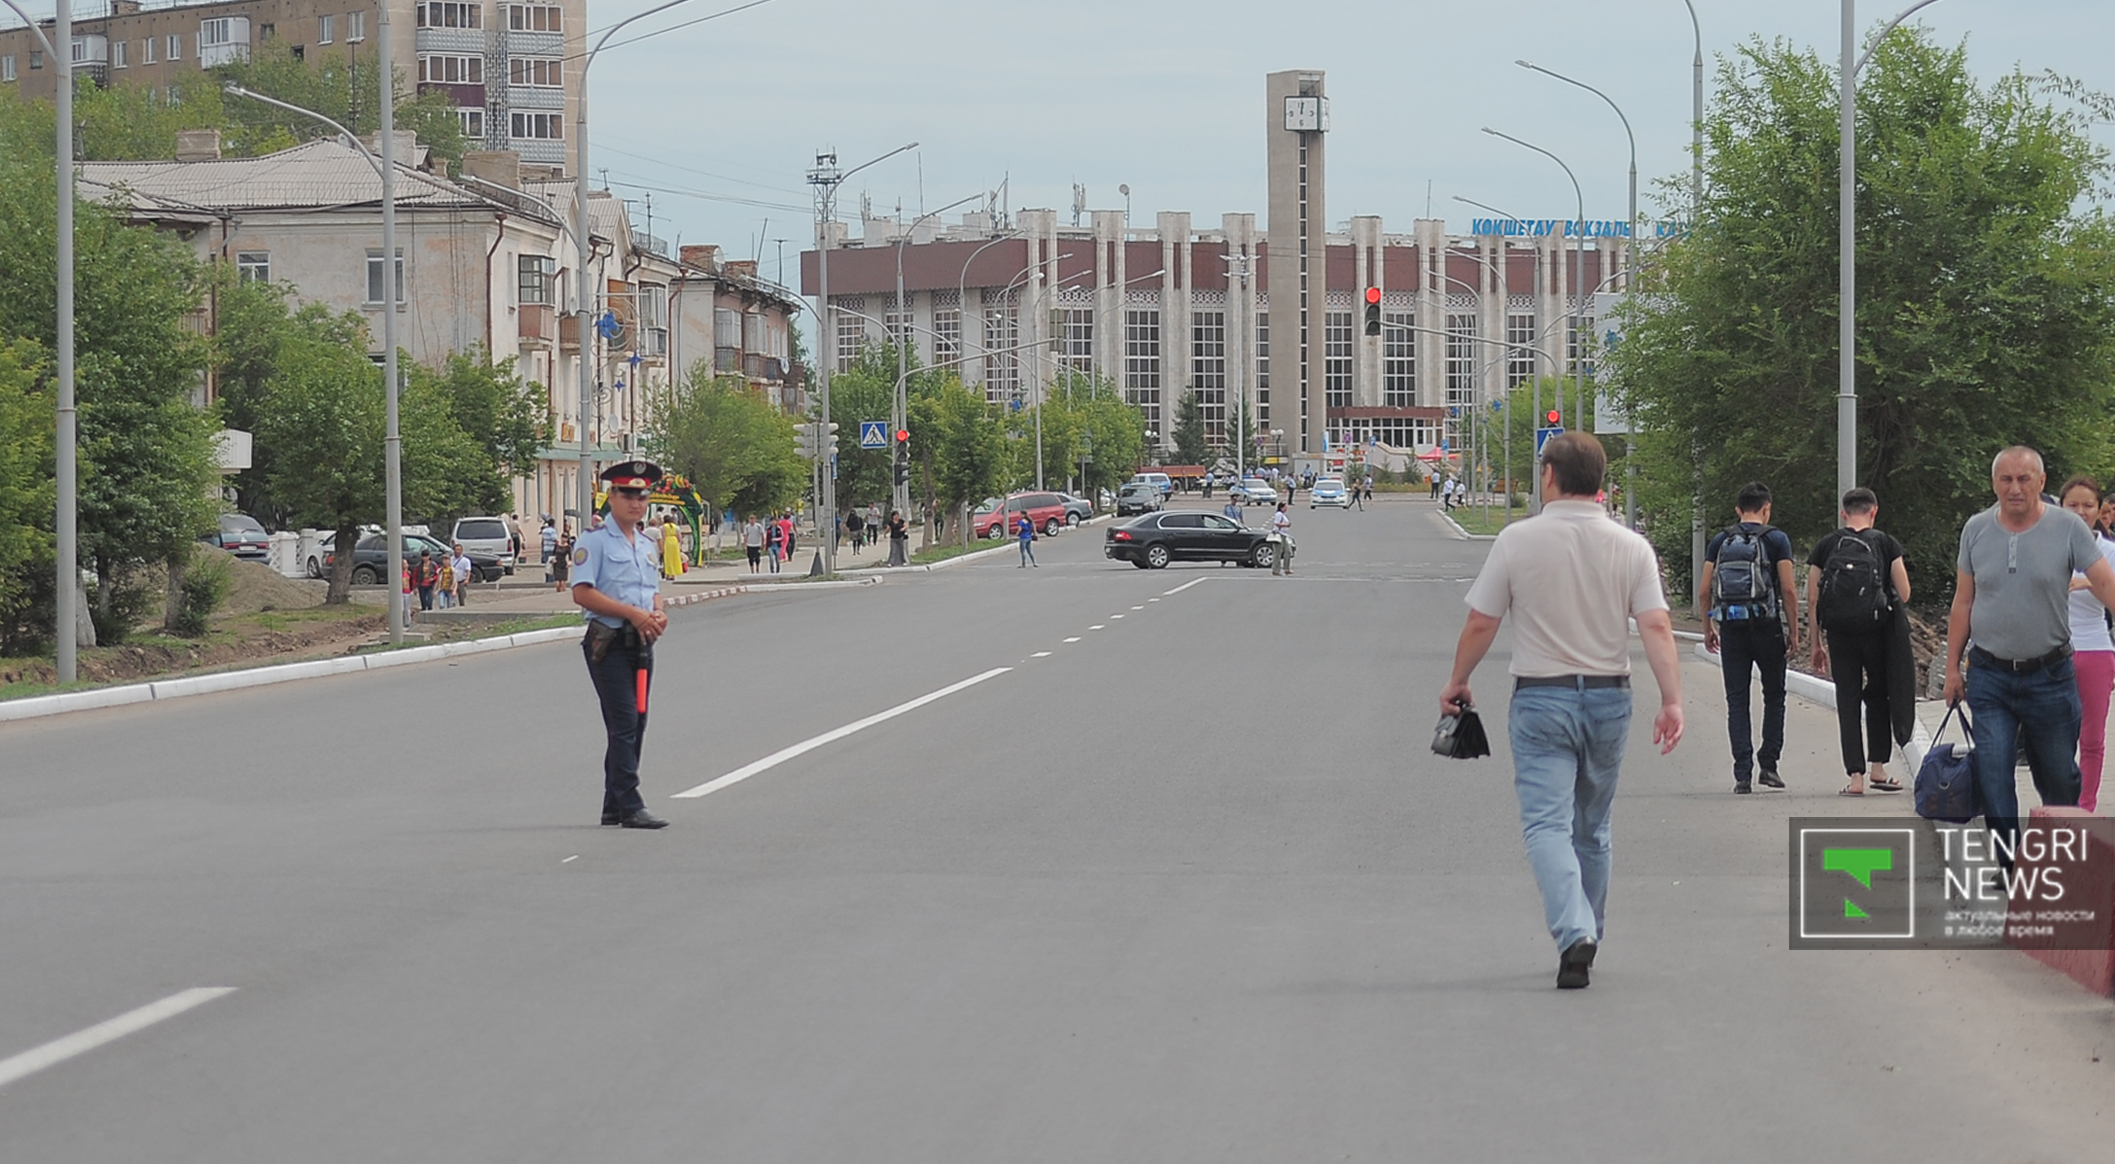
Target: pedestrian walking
{"x":514,"y":539}
{"x":1432,"y":479}
{"x":428,"y":577}
{"x":671,"y":548}
{"x":2011,"y":622}
{"x":856,"y":526}
{"x":786,"y":524}
{"x":899,"y":539}
{"x":1572,"y":579}
{"x":410,"y":607}
{"x":547,"y":541}
{"x":1232,"y":510}
{"x":753,"y":542}
{"x":561,"y":563}
{"x":465,"y":573}
{"x":1752,"y":623}
{"x":2093,"y":649}
{"x":776,"y":543}
{"x":1856,"y":578}
{"x":616,"y":583}
{"x":1024,"y":530}
{"x":1281,"y":532}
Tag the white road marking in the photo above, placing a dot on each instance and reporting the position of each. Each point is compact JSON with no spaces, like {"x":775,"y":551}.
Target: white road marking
{"x":109,"y":1031}
{"x":1152,"y":600}
{"x":574,"y":857}
{"x":1040,"y":655}
{"x":1114,"y":616}
{"x":808,"y":745}
{"x":1187,"y":585}
{"x":1073,"y":639}
{"x":1141,"y":607}
{"x":1096,"y":626}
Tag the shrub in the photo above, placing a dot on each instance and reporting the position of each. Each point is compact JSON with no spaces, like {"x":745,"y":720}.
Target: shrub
{"x":205,"y":587}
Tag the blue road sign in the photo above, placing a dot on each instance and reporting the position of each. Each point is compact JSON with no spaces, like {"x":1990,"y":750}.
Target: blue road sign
{"x":873,"y":434}
{"x":1542,"y":436}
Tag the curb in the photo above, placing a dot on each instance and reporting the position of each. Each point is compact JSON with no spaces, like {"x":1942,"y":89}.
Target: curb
{"x":38,"y":706}
{"x":1463,"y":534}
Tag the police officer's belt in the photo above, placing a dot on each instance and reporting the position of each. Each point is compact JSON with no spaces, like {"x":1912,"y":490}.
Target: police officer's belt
{"x":601,"y":637}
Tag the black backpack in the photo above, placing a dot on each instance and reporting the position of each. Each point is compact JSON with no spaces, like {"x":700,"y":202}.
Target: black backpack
{"x":1855,"y":595}
{"x":1742,"y":586}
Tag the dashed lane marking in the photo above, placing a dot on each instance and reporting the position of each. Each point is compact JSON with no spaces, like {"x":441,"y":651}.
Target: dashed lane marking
{"x":1040,"y":655}
{"x":1073,"y":639}
{"x":108,"y":1031}
{"x":1185,"y":586}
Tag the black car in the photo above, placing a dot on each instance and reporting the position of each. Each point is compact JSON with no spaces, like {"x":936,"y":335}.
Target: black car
{"x":1138,"y":497}
{"x":371,"y":558}
{"x":1152,"y":541}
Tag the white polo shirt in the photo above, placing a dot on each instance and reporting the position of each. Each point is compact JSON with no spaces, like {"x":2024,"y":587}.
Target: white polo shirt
{"x":1572,"y":578}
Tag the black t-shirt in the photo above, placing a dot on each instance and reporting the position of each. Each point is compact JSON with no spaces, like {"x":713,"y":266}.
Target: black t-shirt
{"x":1889,"y":549}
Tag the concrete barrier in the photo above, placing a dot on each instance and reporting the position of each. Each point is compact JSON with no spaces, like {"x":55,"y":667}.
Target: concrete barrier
{"x":2092,"y":969}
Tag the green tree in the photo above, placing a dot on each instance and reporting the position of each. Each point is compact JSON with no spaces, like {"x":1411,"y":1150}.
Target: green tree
{"x":732,"y":444}
{"x":26,"y":496}
{"x":1192,"y":445}
{"x":1984,"y":314}
{"x":490,"y":404}
{"x":323,"y":426}
{"x":864,"y":391}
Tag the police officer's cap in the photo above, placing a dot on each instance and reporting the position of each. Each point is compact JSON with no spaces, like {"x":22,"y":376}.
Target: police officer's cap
{"x":632,"y":475}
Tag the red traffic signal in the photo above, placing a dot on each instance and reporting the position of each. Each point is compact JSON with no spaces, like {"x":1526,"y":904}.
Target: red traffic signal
{"x":903,"y":436}
{"x":1373,"y":294}
{"x":1555,"y":416}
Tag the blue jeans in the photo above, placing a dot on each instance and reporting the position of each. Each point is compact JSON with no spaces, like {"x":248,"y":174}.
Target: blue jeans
{"x":1027,"y":555}
{"x":2039,"y":708}
{"x":1567,"y":752}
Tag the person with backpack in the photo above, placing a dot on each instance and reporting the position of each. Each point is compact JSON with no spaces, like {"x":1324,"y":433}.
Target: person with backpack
{"x":1855,"y":578}
{"x":1752,"y":626}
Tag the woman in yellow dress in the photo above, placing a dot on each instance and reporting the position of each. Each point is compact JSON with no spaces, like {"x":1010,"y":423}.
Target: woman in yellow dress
{"x":671,"y":549}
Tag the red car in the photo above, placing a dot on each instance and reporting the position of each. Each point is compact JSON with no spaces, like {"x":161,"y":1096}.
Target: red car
{"x":1046,"y":510}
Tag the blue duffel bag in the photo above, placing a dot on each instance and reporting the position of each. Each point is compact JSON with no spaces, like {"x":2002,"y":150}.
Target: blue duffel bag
{"x":1946,"y":788}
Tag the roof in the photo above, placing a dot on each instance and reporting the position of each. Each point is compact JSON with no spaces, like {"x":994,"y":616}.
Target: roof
{"x":314,"y":175}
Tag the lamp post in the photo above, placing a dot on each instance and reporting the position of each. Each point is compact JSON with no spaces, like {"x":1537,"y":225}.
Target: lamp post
{"x":1578,"y":272}
{"x":65,"y":604}
{"x":392,"y":436}
{"x":1696,"y":213}
{"x":901,"y":335}
{"x":1630,"y":273}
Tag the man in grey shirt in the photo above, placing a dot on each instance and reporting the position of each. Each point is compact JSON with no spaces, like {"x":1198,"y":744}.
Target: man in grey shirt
{"x":2011,"y":619}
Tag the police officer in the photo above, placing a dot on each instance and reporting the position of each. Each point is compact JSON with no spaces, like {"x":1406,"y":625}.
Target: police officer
{"x":616,"y":576}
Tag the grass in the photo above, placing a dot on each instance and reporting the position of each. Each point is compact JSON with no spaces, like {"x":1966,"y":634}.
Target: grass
{"x":1471,"y":519}
{"x":927,"y":557}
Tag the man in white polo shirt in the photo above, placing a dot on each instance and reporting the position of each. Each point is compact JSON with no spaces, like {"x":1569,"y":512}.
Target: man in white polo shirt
{"x":1573,"y":580}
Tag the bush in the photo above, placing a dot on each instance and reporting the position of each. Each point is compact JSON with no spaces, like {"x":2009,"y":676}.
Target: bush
{"x":205,"y":587}
{"x":128,"y":605}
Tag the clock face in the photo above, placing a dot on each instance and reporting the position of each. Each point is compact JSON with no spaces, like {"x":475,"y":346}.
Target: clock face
{"x":1307,"y":114}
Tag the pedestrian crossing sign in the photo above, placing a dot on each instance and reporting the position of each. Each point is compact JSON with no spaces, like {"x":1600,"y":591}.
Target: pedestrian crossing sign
{"x":873,"y":434}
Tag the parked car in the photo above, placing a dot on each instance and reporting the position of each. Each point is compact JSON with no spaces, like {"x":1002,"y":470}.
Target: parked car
{"x":241,"y":535}
{"x":321,"y":554}
{"x":486,"y":535}
{"x":1046,"y":510}
{"x":1077,"y":509}
{"x":1328,"y":491}
{"x":1160,"y":481}
{"x":371,"y":558}
{"x":1253,"y":491}
{"x":1139,"y":497}
{"x":1152,"y":541}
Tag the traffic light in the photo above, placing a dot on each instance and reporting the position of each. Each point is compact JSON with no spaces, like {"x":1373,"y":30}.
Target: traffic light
{"x":1555,"y":418}
{"x":903,"y":456}
{"x":1373,"y":311}
{"x":814,"y":439}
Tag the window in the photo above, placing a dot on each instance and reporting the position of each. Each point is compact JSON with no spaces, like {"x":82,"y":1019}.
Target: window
{"x":896,"y":323}
{"x":1002,"y":365}
{"x":653,"y":320}
{"x":473,"y":122}
{"x":533,"y":18}
{"x":213,"y":33}
{"x":174,"y":43}
{"x":326,"y":29}
{"x":541,"y":126}
{"x":1336,"y":358}
{"x":1208,"y":371}
{"x":1520,"y":350}
{"x":851,"y":337}
{"x":1142,"y":362}
{"x":265,"y":32}
{"x":447,"y":14}
{"x":536,"y":72}
{"x":356,"y":26}
{"x":947,"y":335}
{"x":7,"y":68}
{"x":1075,"y":339}
{"x":253,"y":266}
{"x":533,"y":279}
{"x":374,"y":275}
{"x":452,"y":70}
{"x":1576,"y":327}
{"x":1461,"y":360}
{"x":147,"y":51}
{"x":1398,"y":361}
{"x":1262,"y":369}
{"x":118,"y":55}
{"x":36,"y":58}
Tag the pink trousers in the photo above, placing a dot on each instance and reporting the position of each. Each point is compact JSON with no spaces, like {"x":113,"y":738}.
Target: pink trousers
{"x":2096,"y":678}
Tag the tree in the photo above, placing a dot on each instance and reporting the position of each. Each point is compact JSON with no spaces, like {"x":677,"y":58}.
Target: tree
{"x":27,"y":494}
{"x":732,"y":444}
{"x":1192,"y":445}
{"x":489,"y":403}
{"x":1984,"y":313}
{"x":324,"y":427}
{"x":969,"y":454}
{"x":865,"y":391}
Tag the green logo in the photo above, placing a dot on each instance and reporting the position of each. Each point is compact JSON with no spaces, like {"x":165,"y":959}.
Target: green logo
{"x":1861,"y":864}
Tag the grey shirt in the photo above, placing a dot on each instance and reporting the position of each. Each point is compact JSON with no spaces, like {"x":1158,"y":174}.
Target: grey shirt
{"x":2023,"y":580}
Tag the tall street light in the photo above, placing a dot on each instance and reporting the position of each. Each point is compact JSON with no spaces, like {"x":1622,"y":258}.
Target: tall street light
{"x":392,"y":438}
{"x":1846,"y":239}
{"x":1578,"y":288}
{"x":1630,"y":279}
{"x":1696,"y":211}
{"x":901,"y":336}
{"x":66,"y":606}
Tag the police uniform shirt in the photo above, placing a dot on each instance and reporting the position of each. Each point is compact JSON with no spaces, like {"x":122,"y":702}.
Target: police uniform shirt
{"x":626,"y":569}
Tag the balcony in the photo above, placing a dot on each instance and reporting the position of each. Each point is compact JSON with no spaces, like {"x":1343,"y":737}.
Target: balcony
{"x":535,"y":323}
{"x":727,"y":359}
{"x":653,"y":343}
{"x":569,"y":334}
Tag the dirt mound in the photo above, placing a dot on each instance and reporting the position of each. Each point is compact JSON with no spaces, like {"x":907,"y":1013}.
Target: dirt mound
{"x":254,"y":586}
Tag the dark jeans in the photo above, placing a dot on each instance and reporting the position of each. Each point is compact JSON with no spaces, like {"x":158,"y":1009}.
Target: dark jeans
{"x":1859,"y":664}
{"x":616,"y":681}
{"x":2039,"y":709}
{"x":425,"y":598}
{"x":1744,"y":647}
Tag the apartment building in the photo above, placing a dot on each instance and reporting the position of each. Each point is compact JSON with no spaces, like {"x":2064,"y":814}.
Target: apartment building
{"x":508,"y":68}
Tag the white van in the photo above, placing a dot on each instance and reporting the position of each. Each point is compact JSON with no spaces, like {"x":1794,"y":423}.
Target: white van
{"x":481,"y":536}
{"x":1160,"y":481}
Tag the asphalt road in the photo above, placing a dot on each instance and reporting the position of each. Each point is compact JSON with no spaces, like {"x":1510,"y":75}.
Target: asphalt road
{"x":1182,"y":883}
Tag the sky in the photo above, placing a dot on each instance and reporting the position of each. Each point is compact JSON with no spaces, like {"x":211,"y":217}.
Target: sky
{"x":719,"y":122}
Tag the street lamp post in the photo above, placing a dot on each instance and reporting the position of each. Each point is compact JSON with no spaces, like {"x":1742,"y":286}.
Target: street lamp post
{"x":901,"y":335}
{"x":1630,"y":279}
{"x":392,"y":438}
{"x":1578,"y":288}
{"x":66,"y":605}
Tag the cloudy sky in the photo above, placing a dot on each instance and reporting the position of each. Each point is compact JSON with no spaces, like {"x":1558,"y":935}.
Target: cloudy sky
{"x":719,"y":121}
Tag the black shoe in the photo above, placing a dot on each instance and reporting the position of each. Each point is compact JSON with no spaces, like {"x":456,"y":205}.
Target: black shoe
{"x":610,"y":818}
{"x":642,"y":819}
{"x":1769,"y":778}
{"x":1741,"y":788}
{"x":1572,"y":966}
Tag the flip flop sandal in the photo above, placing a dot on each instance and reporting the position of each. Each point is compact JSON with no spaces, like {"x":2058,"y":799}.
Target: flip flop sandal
{"x":1885,"y":785}
{"x":1852,"y":790}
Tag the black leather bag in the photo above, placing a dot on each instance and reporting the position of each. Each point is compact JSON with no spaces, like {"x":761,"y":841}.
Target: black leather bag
{"x":1460,"y":736}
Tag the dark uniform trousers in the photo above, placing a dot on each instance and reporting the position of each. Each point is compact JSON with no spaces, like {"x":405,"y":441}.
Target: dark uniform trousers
{"x":1746,"y":649}
{"x":617,"y":686}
